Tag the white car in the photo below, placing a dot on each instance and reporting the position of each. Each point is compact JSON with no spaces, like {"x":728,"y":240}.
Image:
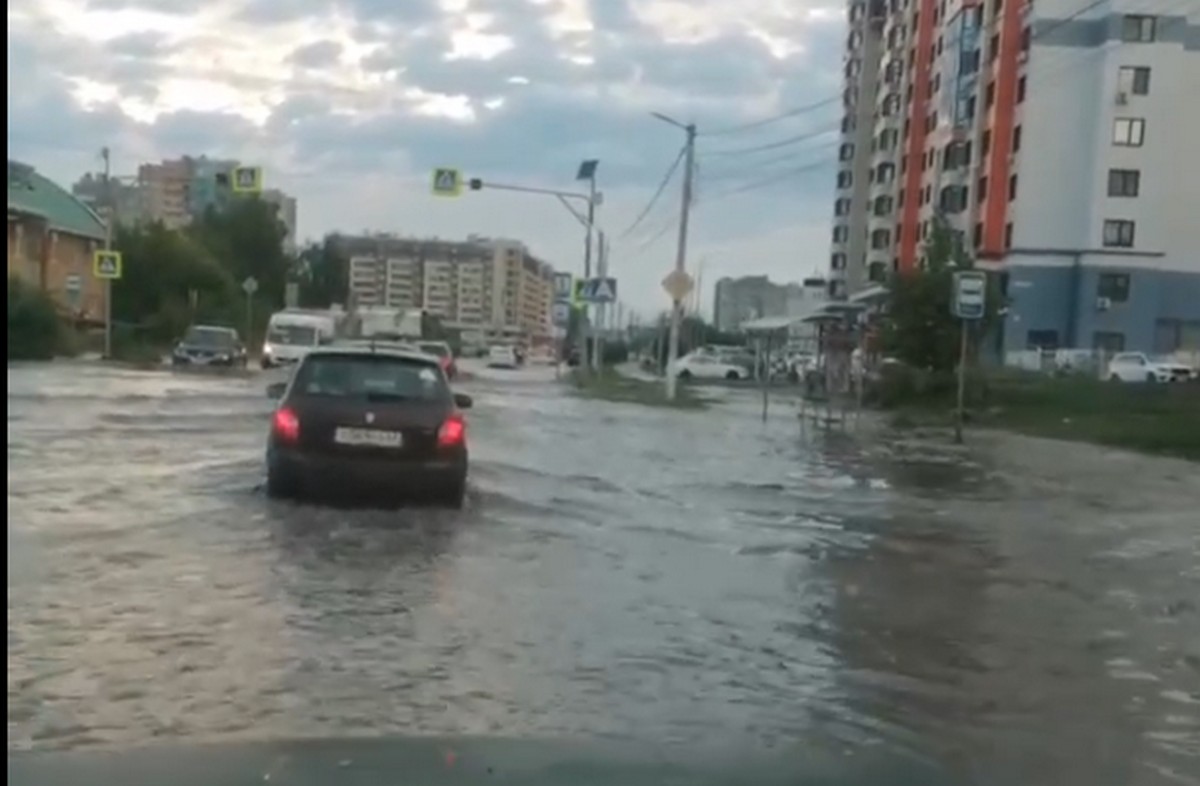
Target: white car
{"x":1139,"y":367}
{"x":707,"y":366}
{"x":503,"y":357}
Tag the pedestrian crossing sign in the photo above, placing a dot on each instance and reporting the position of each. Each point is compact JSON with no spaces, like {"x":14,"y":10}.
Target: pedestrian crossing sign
{"x":106,"y":265}
{"x":247,"y":180}
{"x":600,"y":290}
{"x":447,"y":182}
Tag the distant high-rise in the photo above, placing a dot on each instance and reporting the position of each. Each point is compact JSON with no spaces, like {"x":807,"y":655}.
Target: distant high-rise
{"x":495,"y":288}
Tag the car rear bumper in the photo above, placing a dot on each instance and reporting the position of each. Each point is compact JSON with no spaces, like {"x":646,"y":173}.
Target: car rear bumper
{"x":319,"y":475}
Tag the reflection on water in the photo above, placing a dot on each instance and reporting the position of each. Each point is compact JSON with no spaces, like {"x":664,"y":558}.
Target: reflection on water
{"x":618,"y":572}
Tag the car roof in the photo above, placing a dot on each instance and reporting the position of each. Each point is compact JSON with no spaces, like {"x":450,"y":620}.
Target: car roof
{"x":221,"y":328}
{"x":372,"y":350}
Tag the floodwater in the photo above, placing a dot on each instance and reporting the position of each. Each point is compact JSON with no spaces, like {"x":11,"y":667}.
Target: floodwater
{"x":1019,"y":611}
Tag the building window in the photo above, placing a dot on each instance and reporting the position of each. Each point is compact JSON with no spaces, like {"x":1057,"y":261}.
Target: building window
{"x":1138,"y":29}
{"x":1134,"y":80}
{"x":837,"y":261}
{"x":1173,"y":335}
{"x":1124,"y":182}
{"x":841,"y":233}
{"x":1008,"y":235}
{"x":1020,"y":90}
{"x":882,"y":206}
{"x":1113,"y":286}
{"x":877,"y":271}
{"x":1016,"y":139}
{"x":845,"y":178}
{"x":1012,"y":188}
{"x":1118,"y":233}
{"x":881,"y":238}
{"x":1108,"y":342}
{"x":1129,"y":131}
{"x":841,"y":207}
{"x":846,"y":152}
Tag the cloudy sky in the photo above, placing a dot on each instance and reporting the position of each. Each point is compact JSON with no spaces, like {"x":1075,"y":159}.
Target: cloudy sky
{"x":349,"y":105}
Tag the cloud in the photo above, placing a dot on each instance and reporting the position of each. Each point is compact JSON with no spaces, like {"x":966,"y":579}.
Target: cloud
{"x":327,"y":96}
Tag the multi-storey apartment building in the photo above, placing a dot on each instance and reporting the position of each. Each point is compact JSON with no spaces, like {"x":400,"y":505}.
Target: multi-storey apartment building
{"x":1053,"y":139}
{"x":495,"y":289}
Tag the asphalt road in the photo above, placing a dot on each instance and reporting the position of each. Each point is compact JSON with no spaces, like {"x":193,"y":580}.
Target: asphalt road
{"x":1018,"y":612}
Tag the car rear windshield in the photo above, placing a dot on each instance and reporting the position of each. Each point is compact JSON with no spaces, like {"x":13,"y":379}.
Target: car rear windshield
{"x":370,"y":376}
{"x":210,"y":337}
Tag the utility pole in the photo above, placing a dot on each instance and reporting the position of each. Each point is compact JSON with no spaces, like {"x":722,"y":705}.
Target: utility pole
{"x":585,"y":331}
{"x":601,"y":308}
{"x":106,"y":154}
{"x":680,"y":254}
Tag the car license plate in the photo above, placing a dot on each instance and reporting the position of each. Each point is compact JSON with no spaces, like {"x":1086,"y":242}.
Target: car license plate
{"x":368,"y":437}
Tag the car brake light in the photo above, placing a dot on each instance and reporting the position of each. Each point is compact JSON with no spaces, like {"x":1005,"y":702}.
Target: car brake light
{"x":286,"y":425}
{"x":452,"y":432}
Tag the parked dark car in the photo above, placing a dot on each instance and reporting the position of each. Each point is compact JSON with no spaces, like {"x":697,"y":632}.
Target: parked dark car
{"x":209,"y":345}
{"x":368,"y":420}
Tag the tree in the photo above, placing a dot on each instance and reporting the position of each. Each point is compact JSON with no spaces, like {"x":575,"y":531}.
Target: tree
{"x":246,"y":237}
{"x":169,"y":280}
{"x":324,"y":272}
{"x":34,"y":329}
{"x":920,"y":330}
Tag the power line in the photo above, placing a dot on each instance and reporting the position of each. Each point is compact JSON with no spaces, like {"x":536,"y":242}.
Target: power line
{"x":662,"y":186}
{"x":773,"y":119}
{"x":793,"y":140}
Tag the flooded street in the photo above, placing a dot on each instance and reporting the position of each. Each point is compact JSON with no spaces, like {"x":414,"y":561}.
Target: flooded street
{"x":1024,"y":612}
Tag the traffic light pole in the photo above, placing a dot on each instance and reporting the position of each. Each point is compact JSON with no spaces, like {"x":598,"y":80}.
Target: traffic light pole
{"x":110,"y":203}
{"x":588,"y":221}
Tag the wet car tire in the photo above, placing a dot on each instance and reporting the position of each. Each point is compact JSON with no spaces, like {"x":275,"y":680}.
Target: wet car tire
{"x":685,"y":374}
{"x":454,"y":496}
{"x":279,"y":486}
{"x":733,"y":375}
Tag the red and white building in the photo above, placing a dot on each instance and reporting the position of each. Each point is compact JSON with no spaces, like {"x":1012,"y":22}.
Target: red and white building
{"x":1056,"y":137}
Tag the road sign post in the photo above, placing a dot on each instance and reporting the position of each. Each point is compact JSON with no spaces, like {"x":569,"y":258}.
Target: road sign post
{"x":247,"y":180}
{"x":106,"y":266}
{"x":249,"y":286}
{"x":447,"y":182}
{"x":968,"y":303}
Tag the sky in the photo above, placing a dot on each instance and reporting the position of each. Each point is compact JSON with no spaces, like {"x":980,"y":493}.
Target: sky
{"x":350,"y":105}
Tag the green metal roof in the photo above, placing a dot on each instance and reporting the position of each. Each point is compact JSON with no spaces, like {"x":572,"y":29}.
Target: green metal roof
{"x":29,"y":192}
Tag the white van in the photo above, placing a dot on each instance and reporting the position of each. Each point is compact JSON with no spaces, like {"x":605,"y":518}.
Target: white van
{"x":291,"y":334}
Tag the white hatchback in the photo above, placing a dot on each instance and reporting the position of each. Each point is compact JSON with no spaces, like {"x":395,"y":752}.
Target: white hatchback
{"x":503,"y":357}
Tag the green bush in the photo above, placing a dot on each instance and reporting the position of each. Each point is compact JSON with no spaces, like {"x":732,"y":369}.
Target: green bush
{"x":35,"y":331}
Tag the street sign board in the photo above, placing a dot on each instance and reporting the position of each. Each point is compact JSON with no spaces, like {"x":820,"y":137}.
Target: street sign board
{"x":970,"y":294}
{"x":563,"y":288}
{"x":447,"y":182}
{"x":678,"y":284}
{"x":561,"y":314}
{"x":600,"y":290}
{"x":107,"y":265}
{"x":250,"y":285}
{"x":247,"y":180}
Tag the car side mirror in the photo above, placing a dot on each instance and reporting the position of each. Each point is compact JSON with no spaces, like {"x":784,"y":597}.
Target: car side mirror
{"x":275,"y":390}
{"x":463,"y":401}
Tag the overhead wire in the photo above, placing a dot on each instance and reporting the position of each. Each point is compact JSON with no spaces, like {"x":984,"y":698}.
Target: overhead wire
{"x":666,"y":179}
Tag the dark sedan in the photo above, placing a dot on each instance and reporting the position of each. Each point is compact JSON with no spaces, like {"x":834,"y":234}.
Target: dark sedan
{"x":366,"y":420}
{"x":209,"y":345}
